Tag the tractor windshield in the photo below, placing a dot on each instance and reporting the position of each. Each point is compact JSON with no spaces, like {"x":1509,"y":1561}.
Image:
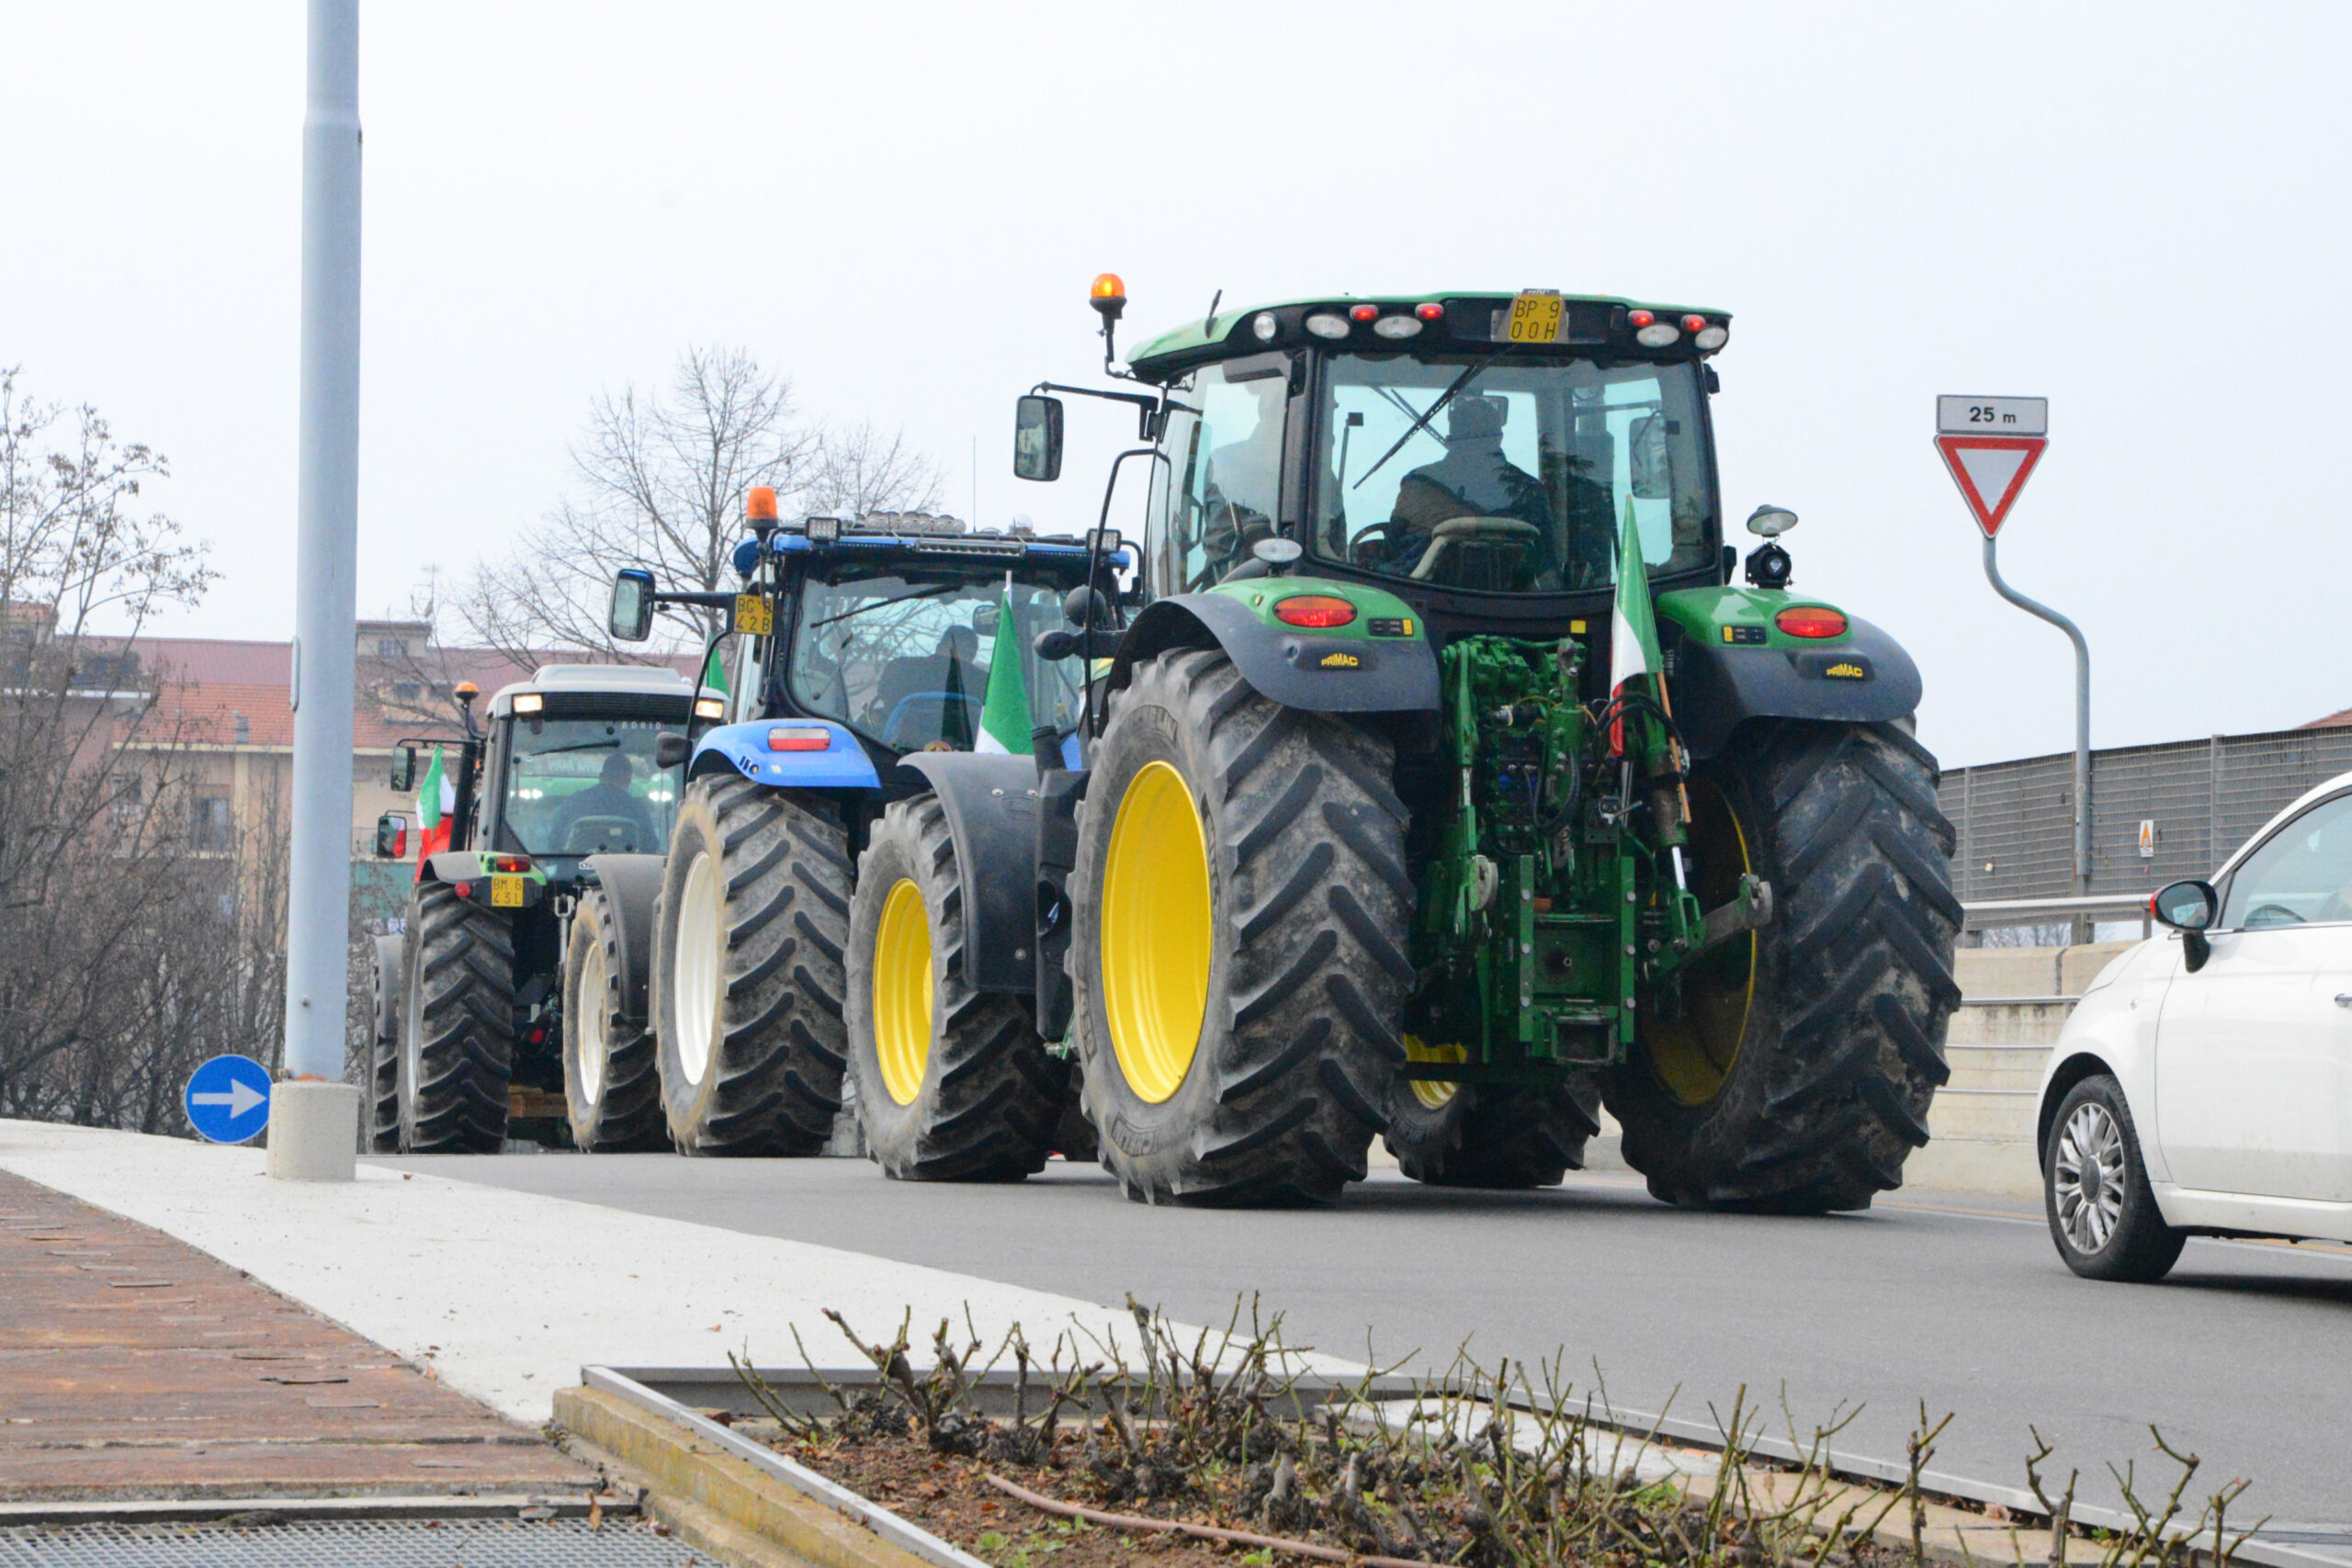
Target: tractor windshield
{"x":581,"y":786}
{"x":1509,"y":475}
{"x":905,"y":659}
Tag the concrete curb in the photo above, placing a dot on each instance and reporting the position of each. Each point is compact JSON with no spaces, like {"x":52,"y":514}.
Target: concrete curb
{"x":736,"y":1498}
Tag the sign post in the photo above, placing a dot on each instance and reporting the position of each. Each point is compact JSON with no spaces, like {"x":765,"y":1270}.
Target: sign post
{"x":1991,"y":446}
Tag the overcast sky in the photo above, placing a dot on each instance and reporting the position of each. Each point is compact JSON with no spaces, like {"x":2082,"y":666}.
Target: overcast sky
{"x":2139,"y":211}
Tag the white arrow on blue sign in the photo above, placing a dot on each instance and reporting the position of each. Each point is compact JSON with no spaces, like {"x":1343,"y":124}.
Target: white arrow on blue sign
{"x":228,"y":1098}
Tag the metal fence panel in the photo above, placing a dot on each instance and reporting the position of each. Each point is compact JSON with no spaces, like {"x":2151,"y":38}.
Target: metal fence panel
{"x":2203,"y":799}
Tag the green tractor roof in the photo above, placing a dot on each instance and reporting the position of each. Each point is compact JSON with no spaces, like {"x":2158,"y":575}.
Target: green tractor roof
{"x":1451,"y":322}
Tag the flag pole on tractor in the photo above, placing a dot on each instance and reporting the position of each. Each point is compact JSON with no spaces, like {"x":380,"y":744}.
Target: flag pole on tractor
{"x":437,"y":800}
{"x":1005,"y":716}
{"x":1636,"y":672}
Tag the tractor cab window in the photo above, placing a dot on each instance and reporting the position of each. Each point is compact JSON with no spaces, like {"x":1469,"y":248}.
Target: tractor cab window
{"x":581,"y":786}
{"x":906,"y":659}
{"x":1511,"y":476}
{"x":1220,"y":490}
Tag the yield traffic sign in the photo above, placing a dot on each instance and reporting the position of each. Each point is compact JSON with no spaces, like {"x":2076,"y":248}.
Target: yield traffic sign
{"x":1991,"y":471}
{"x":228,"y":1098}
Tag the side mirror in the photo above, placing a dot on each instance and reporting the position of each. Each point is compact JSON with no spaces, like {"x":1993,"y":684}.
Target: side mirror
{"x":670,"y":749}
{"x":1652,"y":471}
{"x":631,"y":619}
{"x":984,"y":619}
{"x":403,"y":777}
{"x":2189,"y":907}
{"x":1037,"y":437}
{"x":392,"y":836}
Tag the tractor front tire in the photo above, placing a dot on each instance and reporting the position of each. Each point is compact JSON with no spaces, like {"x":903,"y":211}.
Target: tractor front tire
{"x":457,"y":1025}
{"x":1503,"y":1136}
{"x":391,"y":985}
{"x":953,"y":1083}
{"x":1792,"y":1071}
{"x":1239,"y":952}
{"x":747,"y":970}
{"x":612,"y":1083}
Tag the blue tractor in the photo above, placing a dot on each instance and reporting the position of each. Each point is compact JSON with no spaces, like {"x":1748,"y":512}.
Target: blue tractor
{"x":856,"y":644}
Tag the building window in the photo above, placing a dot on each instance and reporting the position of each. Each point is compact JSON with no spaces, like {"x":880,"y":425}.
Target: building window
{"x":408,"y":690}
{"x":390,"y":648}
{"x":244,"y":730}
{"x":208,"y":822}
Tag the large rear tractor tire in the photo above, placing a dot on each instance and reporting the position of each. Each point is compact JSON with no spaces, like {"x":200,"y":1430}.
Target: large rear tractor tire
{"x":457,"y":1026}
{"x":1506,"y":1135}
{"x":953,"y":1083}
{"x":747,"y":970}
{"x":1239,"y":952}
{"x":391,"y":983}
{"x":1791,"y":1070}
{"x":612,"y":1084}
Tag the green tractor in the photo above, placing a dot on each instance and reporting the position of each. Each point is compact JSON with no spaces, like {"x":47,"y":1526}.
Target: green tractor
{"x":1440,"y":783}
{"x":554,"y":812}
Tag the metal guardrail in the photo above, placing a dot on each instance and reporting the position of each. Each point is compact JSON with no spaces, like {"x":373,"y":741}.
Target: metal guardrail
{"x":1978,"y":914}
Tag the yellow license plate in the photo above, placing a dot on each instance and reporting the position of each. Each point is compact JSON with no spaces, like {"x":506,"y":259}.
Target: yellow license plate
{"x":754,"y":615}
{"x":506,"y":892}
{"x":1535,"y":317}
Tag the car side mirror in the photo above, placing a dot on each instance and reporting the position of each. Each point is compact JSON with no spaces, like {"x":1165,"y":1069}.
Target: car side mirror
{"x":2189,"y":907}
{"x":631,"y":616}
{"x":670,"y":749}
{"x":1037,"y":437}
{"x":392,"y":836}
{"x":403,"y":778}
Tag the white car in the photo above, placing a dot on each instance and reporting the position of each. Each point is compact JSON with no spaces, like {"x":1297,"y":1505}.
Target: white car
{"x":2203,"y":1085}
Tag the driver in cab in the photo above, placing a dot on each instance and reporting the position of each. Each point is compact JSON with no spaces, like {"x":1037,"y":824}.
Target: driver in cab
{"x":608,"y":797}
{"x":1475,"y":480}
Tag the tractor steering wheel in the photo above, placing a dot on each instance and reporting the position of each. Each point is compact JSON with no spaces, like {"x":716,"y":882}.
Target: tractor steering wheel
{"x":1525,"y":536}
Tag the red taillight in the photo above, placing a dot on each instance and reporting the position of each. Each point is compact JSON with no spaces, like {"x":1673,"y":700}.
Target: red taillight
{"x":1811,"y":620}
{"x":1363,"y":312}
{"x":464,"y":889}
{"x":539,"y":1036}
{"x":1430,"y":311}
{"x":511,"y":864}
{"x":1314,"y":610}
{"x":1640,"y":318}
{"x":799,"y":738}
{"x":1692,"y":323}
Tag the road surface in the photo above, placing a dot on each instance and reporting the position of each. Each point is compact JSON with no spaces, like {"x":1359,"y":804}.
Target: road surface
{"x":2239,"y":1357}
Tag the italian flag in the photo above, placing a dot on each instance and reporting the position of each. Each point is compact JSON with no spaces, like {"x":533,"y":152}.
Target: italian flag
{"x":436,"y":797}
{"x":1005,"y":716}
{"x":1632,"y":626}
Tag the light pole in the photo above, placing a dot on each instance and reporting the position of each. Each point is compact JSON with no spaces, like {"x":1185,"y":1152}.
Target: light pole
{"x":314,"y":1116}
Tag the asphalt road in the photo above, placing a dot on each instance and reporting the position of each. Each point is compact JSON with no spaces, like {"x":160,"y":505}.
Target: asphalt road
{"x":2241,"y":1356}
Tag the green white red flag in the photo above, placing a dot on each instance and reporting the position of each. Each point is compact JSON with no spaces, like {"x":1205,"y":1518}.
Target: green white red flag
{"x":1004,"y":714}
{"x":436,"y":800}
{"x":1632,"y":625}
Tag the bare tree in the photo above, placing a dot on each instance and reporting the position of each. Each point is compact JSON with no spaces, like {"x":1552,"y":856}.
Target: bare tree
{"x":659,"y":481}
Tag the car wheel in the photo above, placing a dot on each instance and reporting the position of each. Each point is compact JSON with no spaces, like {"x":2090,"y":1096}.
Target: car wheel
{"x":2095,"y":1187}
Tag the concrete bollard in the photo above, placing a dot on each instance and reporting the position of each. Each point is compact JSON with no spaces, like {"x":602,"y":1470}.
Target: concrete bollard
{"x":313,"y":1131}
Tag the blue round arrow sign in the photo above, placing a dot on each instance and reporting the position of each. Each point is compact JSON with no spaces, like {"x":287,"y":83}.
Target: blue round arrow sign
{"x":228,"y":1098}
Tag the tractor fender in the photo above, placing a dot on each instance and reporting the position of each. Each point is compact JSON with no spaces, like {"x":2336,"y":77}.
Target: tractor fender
{"x":1716,"y":688}
{"x":991,"y":801}
{"x":453,"y":866}
{"x":743,"y":749}
{"x":632,"y":882}
{"x":1296,"y":669}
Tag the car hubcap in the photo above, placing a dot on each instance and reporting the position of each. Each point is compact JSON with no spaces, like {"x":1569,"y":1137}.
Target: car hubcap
{"x":702,"y":938}
{"x":588,"y":1028}
{"x":2088,"y":1177}
{"x":1156,"y":933}
{"x":902,"y":992}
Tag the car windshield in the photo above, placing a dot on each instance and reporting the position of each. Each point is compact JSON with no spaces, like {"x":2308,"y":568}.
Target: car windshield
{"x":1511,"y":476}
{"x":905,"y":659}
{"x":579,"y":786}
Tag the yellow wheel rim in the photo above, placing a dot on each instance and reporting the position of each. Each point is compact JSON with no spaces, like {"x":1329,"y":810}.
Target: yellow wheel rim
{"x":902,"y":991}
{"x":1155,"y":941}
{"x":1692,"y":1056}
{"x":1429,"y":1092}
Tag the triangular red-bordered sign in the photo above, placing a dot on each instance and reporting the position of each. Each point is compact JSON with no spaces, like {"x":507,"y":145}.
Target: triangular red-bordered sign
{"x":1991,"y":471}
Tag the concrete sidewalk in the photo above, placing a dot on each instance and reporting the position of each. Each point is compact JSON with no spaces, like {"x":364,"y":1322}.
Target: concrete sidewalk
{"x":507,"y":1294}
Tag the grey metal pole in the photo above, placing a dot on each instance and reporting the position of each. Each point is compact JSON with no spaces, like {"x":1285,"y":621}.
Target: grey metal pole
{"x":2082,"y":719}
{"x":318,"y":905}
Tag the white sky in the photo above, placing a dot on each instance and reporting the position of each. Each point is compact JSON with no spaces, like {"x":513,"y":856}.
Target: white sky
{"x":2139,"y":211}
